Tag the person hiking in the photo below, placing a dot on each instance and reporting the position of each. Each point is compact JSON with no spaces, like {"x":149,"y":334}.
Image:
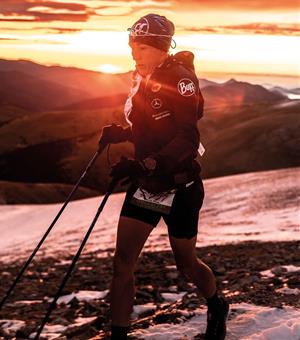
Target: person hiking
{"x":162,"y":109}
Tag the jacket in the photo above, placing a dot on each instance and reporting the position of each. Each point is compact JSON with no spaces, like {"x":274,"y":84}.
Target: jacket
{"x":163,"y":111}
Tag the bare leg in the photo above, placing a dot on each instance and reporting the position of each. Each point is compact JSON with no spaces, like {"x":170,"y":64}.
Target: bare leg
{"x":131,"y":236}
{"x":201,"y":275}
{"x":189,"y":265}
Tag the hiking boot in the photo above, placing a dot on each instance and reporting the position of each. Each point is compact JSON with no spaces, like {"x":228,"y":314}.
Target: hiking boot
{"x":216,"y":320}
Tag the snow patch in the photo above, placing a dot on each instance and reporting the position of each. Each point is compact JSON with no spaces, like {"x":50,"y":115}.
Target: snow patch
{"x":82,"y":295}
{"x":27,"y":302}
{"x":10,"y":327}
{"x":246,"y":322}
{"x":288,"y":291}
{"x":291,"y":268}
{"x":172,"y":297}
{"x":51,"y":332}
{"x":233,"y":205}
{"x":140,"y":309}
{"x":278,"y":270}
{"x":293,"y":96}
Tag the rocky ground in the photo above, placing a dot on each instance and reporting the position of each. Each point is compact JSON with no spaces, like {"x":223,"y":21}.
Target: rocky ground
{"x":237,"y":267}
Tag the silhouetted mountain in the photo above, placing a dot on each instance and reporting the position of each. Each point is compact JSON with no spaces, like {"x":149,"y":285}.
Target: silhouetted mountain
{"x":9,"y":112}
{"x":95,"y":84}
{"x":204,"y":83}
{"x":230,"y":93}
{"x":98,"y":103}
{"x":37,"y":87}
{"x":35,"y":94}
{"x":250,"y":138}
{"x":234,"y":93}
{"x":245,"y":127}
{"x":56,"y":146}
{"x":284,"y":91}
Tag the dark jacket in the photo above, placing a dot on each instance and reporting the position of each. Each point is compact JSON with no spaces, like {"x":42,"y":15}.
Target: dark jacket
{"x":164,"y":115}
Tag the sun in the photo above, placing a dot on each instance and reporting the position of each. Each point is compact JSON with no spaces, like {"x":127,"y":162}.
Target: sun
{"x":109,"y":68}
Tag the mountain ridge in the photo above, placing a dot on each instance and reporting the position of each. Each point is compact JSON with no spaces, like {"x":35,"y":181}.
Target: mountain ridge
{"x":54,"y":144}
{"x":92,"y":86}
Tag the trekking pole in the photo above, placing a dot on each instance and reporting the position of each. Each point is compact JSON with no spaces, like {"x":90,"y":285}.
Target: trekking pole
{"x":91,"y":162}
{"x":75,"y":258}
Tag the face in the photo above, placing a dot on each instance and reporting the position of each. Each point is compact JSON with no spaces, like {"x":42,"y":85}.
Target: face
{"x":146,"y":57}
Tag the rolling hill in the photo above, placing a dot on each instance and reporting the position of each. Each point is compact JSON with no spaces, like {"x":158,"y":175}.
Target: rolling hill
{"x":236,"y":93}
{"x":245,"y":127}
{"x":34,"y":94}
{"x":35,"y":193}
{"x":95,"y":84}
{"x":253,"y":138}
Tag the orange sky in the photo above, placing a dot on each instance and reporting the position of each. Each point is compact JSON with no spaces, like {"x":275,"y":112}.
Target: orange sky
{"x":232,"y":36}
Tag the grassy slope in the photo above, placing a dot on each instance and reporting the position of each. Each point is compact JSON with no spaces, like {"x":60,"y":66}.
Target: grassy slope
{"x":251,"y":138}
{"x":12,"y":192}
{"x":53,"y":126}
{"x":56,"y":146}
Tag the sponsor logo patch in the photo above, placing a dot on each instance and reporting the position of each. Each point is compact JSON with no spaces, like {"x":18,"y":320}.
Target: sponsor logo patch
{"x":156,"y":87}
{"x":186,"y":87}
{"x":160,"y":115}
{"x":156,"y":103}
{"x":141,"y":28}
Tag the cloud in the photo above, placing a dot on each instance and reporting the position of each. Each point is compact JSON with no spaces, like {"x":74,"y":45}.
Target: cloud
{"x":83,"y":10}
{"x":21,"y":6}
{"x":251,"y":28}
{"x":9,"y":39}
{"x":42,"y":11}
{"x":74,"y":11}
{"x":61,"y":30}
{"x":257,"y":5}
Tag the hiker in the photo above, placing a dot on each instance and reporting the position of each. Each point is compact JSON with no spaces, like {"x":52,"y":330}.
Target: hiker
{"x":162,"y":109}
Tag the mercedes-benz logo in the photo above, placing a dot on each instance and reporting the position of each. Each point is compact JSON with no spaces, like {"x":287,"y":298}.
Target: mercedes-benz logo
{"x":156,"y":103}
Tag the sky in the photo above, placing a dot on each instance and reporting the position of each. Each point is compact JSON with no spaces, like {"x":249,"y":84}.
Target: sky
{"x":250,"y":37}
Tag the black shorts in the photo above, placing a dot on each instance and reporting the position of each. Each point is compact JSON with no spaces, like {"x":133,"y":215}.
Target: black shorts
{"x":182,"y":221}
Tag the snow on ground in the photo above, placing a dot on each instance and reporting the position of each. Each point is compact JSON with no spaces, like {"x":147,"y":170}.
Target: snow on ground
{"x":288,"y":291}
{"x":11,"y":326}
{"x":171,"y":297}
{"x":246,"y":322}
{"x":279,"y":270}
{"x":52,"y":332}
{"x":260,"y":206}
{"x":82,"y":295}
{"x":139,"y":309}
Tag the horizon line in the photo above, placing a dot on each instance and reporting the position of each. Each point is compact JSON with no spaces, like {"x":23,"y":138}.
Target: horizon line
{"x":203,"y":72}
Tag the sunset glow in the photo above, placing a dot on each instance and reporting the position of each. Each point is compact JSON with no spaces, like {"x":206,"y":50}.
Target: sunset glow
{"x":109,"y":68}
{"x":226,"y":37}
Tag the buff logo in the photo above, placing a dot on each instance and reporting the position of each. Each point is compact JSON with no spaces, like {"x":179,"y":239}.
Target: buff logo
{"x":186,"y":87}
